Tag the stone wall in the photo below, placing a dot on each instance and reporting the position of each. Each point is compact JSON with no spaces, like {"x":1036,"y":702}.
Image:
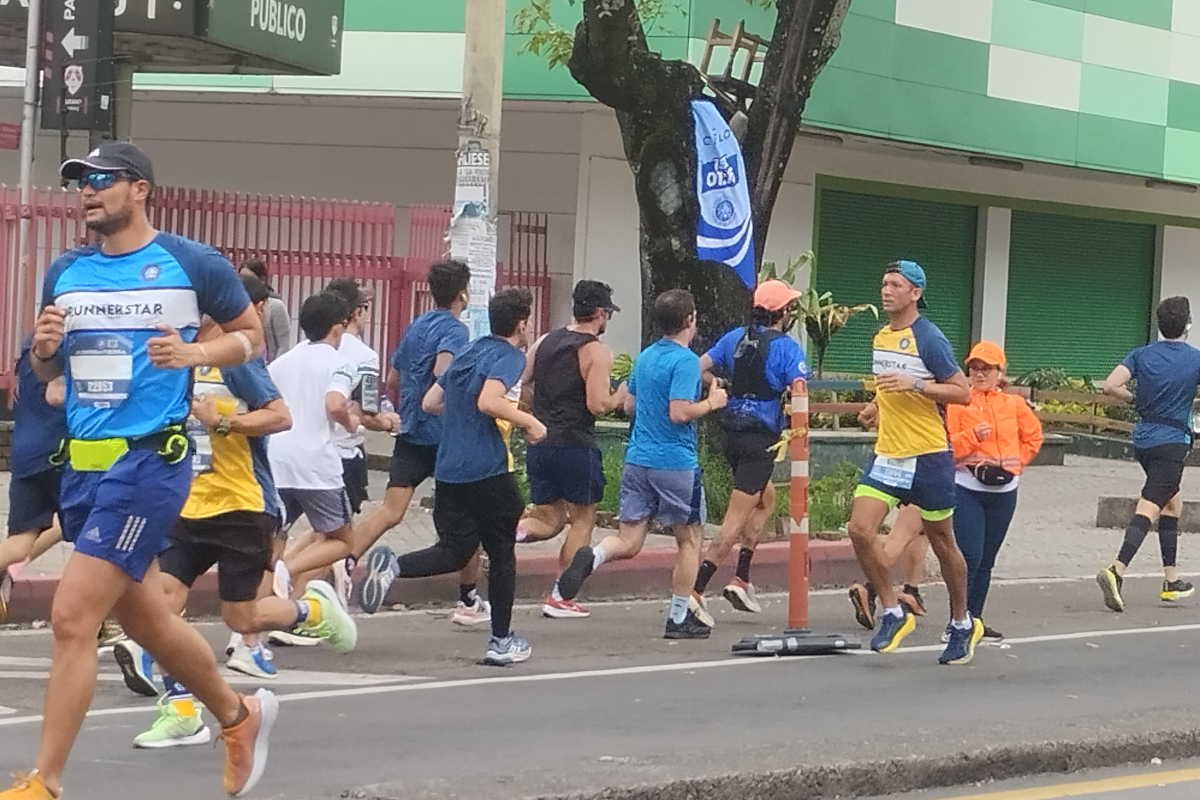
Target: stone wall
{"x":6,"y":429}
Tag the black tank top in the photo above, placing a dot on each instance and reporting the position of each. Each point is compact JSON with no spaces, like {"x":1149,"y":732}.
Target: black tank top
{"x":560,"y":392}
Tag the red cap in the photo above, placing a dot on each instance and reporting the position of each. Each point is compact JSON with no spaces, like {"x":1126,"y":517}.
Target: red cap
{"x":774,"y":295}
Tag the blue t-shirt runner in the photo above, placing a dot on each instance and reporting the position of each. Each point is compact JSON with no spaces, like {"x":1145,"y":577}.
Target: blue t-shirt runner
{"x":119,"y":495}
{"x":39,"y":432}
{"x":661,"y":477}
{"x":434,"y":332}
{"x":1167,"y":374}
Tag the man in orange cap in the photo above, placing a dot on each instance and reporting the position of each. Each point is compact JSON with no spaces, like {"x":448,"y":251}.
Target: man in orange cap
{"x":760,"y":361}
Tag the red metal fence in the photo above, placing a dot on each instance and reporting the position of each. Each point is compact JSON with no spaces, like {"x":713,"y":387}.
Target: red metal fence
{"x":304,"y":242}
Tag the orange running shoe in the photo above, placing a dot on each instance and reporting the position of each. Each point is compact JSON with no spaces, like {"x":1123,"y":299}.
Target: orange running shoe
{"x":246,"y":743}
{"x":28,"y":787}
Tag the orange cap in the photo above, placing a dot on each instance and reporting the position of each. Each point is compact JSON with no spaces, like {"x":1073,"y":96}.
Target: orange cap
{"x":988,"y":353}
{"x":774,"y":295}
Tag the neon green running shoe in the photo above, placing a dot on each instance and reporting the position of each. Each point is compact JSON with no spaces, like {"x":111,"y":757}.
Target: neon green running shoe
{"x":336,"y":626}
{"x":174,"y":728}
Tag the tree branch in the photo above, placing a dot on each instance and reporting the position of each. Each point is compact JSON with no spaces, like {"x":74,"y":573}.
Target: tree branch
{"x":806,"y":34}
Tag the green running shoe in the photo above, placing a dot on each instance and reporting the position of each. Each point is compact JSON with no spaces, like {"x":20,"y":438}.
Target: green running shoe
{"x":336,"y":626}
{"x":174,"y":729}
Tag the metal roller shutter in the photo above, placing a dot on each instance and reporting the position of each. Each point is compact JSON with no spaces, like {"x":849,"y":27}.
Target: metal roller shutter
{"x":1079,"y":292}
{"x":857,"y":234}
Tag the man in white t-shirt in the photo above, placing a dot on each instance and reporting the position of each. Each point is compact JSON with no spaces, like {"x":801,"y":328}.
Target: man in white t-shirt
{"x":365,"y":363}
{"x":316,"y":384}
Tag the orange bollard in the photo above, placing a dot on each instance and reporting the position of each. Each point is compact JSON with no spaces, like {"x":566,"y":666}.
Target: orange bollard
{"x":798,"y":509}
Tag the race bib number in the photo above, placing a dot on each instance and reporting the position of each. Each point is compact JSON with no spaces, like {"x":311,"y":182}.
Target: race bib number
{"x":197,"y":431}
{"x":101,"y":369}
{"x":895,"y":472}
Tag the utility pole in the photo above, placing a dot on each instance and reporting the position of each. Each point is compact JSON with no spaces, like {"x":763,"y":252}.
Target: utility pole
{"x":477,"y":178}
{"x":33,"y":34}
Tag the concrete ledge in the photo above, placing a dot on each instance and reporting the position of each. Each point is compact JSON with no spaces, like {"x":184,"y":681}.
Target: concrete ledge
{"x":648,"y":575}
{"x":1054,"y":450}
{"x":1115,"y":512}
{"x":873,"y":778}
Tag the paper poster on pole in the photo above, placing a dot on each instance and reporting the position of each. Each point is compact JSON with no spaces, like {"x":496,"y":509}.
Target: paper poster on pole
{"x":472,"y":235}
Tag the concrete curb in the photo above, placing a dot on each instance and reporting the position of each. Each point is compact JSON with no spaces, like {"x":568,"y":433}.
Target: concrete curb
{"x":874,"y":778}
{"x":830,"y":564}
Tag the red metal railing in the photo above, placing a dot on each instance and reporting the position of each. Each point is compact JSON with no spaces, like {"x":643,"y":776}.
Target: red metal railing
{"x":304,"y":242}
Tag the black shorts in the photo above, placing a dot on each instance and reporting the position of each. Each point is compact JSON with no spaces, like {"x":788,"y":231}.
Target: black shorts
{"x":411,"y":463}
{"x":483,"y":512}
{"x":752,"y":463}
{"x":1163,"y":466}
{"x":564,"y":472}
{"x":354,"y":477}
{"x":33,"y":501}
{"x":238,"y":542}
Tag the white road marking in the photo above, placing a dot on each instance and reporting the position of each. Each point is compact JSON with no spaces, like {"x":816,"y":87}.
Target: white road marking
{"x":6,"y":711}
{"x":743,"y":661}
{"x":288,"y":677}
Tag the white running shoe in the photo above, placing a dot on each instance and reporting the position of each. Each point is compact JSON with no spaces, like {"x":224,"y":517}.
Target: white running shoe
{"x":342,"y":570}
{"x":699,"y":607}
{"x":252,"y":662}
{"x":235,"y":641}
{"x":281,"y":581}
{"x":467,"y":616}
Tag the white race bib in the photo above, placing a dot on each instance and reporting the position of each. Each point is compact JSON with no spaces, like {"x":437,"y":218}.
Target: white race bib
{"x":101,"y":369}
{"x":202,"y":454}
{"x":895,"y":472}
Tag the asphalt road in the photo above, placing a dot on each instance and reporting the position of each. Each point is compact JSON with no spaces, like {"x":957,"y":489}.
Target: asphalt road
{"x":605,"y":702}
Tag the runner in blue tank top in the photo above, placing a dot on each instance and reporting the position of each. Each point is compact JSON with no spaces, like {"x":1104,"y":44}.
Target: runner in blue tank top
{"x":119,"y":321}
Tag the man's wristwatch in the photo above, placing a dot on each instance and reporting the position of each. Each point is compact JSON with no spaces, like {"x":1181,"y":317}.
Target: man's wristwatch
{"x":222,"y":428}
{"x":919,"y":385}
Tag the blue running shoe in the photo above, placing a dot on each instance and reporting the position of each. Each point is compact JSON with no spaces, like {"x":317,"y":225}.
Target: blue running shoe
{"x":961,"y":646}
{"x":572,"y":578}
{"x":137,"y":667}
{"x":892,"y":630}
{"x":512,"y":649}
{"x":382,"y":571}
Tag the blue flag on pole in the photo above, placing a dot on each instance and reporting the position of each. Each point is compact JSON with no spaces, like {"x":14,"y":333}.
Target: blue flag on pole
{"x":725,"y":229}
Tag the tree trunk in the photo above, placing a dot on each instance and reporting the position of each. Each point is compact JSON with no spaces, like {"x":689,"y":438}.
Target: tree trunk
{"x":652,"y":99}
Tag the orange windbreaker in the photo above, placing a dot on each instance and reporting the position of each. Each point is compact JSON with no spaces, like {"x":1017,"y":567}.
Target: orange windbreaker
{"x":1016,"y":431}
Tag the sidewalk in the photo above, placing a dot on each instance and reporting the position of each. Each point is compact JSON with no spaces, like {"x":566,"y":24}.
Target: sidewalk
{"x":1053,"y":535}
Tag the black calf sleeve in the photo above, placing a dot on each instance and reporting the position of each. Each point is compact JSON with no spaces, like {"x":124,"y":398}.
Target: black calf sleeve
{"x":1168,"y":539}
{"x":1135,"y":534}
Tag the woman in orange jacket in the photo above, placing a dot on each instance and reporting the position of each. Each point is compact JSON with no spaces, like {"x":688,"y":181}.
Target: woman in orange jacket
{"x":993,"y":438}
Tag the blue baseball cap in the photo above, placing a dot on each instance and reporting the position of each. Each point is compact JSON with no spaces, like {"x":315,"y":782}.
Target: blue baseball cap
{"x":913,"y":273}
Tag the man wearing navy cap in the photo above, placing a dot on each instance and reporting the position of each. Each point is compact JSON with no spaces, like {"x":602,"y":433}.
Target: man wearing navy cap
{"x":119,"y":322}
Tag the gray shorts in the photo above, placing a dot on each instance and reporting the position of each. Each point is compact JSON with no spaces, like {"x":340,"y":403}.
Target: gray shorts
{"x":672,"y":496}
{"x":326,"y":509}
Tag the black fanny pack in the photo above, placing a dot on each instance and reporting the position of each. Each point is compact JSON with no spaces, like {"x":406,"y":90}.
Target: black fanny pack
{"x":992,"y":474}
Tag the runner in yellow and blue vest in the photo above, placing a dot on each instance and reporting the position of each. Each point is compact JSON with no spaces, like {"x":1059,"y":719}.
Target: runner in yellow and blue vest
{"x":916,"y":374}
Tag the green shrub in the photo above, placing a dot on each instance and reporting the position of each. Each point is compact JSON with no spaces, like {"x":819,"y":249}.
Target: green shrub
{"x":717,"y":478}
{"x":830,"y":498}
{"x":614,"y":462}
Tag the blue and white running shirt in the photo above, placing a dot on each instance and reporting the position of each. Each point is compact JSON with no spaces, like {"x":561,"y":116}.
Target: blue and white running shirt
{"x":113,"y":305}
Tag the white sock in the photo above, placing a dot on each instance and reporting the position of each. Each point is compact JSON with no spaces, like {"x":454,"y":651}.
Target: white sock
{"x":598,"y":557}
{"x":554,"y":593}
{"x":679,"y":607}
{"x":895,"y":611}
{"x":962,"y":624}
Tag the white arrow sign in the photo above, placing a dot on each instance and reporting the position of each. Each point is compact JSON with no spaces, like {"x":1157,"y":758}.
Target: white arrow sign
{"x":73,"y":41}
